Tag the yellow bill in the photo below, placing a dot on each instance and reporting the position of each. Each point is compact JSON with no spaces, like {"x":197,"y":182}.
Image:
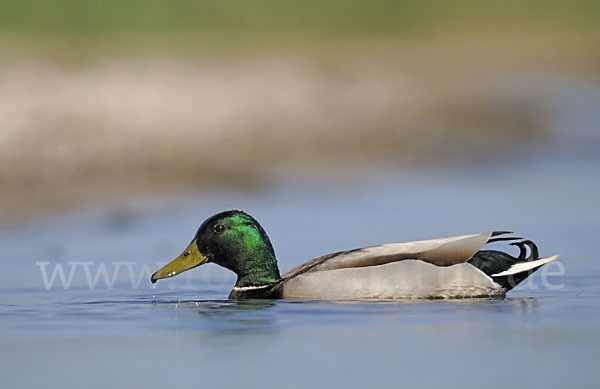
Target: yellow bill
{"x":190,"y":258}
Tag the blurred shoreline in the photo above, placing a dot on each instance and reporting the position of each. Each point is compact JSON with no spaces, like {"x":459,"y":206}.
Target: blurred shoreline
{"x":72,"y":135}
{"x":101,"y":102}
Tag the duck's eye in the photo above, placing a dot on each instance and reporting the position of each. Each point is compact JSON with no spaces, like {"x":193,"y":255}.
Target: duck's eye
{"x":186,"y":253}
{"x":219,"y":228}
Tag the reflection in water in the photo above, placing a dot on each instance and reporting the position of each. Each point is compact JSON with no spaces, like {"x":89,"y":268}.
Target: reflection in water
{"x":267,"y":316}
{"x":226,"y":316}
{"x":507,"y":305}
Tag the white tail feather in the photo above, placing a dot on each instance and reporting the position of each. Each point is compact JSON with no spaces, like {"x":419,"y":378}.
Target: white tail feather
{"x":524,"y":266}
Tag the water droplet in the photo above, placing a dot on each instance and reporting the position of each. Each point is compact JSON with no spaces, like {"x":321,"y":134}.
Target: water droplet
{"x":153,"y":291}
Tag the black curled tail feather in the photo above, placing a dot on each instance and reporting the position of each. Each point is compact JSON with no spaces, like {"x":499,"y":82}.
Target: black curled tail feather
{"x":493,"y":262}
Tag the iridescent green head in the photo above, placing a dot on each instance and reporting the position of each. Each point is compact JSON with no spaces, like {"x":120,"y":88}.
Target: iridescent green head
{"x":234,"y":240}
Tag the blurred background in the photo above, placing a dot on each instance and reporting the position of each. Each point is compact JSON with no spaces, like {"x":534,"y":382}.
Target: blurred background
{"x":100,"y":100}
{"x":337,"y":124}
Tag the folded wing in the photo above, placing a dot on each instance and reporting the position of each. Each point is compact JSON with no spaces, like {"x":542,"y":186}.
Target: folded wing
{"x":439,"y":252}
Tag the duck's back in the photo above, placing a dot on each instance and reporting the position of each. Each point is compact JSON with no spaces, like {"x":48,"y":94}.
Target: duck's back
{"x":440,"y":268}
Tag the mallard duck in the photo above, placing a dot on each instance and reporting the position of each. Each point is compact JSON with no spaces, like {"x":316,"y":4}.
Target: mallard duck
{"x":452,"y":267}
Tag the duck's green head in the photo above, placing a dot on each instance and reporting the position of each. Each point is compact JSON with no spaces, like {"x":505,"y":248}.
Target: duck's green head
{"x":234,"y":240}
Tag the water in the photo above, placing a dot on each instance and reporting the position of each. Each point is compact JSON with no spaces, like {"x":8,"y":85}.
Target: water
{"x":121,"y":332}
